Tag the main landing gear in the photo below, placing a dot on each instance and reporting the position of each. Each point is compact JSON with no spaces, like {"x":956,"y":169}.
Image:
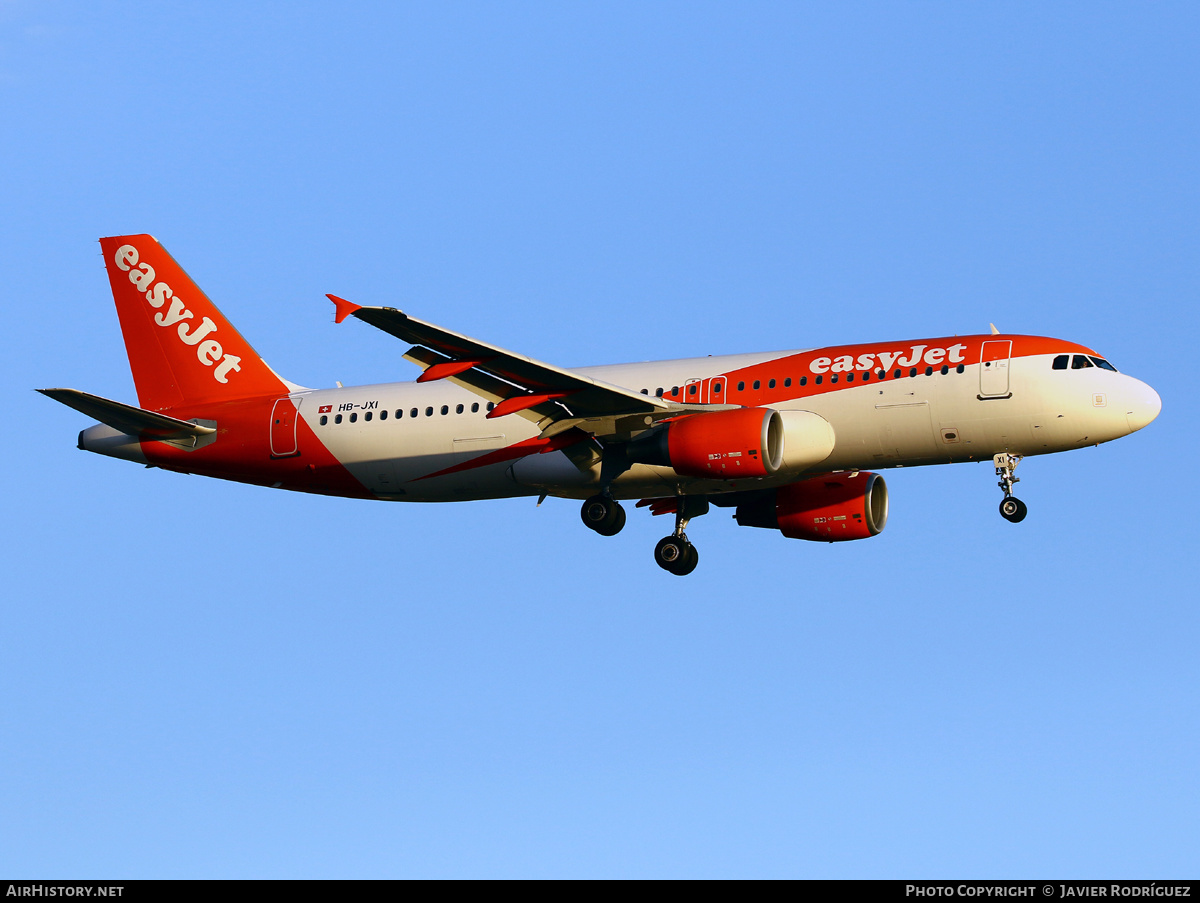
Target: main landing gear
{"x":674,"y":553}
{"x":677,"y":555}
{"x":603,"y":514}
{"x":1012,"y":509}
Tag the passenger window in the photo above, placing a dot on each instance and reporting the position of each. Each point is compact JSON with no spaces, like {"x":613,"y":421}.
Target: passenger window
{"x":1060,"y":362}
{"x":867,"y":376}
{"x":833,"y":379}
{"x":475,"y":408}
{"x":692,"y":389}
{"x":645,"y":391}
{"x":1103,"y":364}
{"x":758,"y":384}
{"x":804,"y":380}
{"x":945,"y":369}
{"x":399,"y":413}
{"x":912,"y":372}
{"x":716,"y":388}
{"x":367,"y":416}
{"x":429,"y":412}
{"x":741,"y":387}
{"x":849,"y":377}
{"x":445,"y":409}
{"x":674,"y":390}
{"x":787,"y":383}
{"x":659,"y":392}
{"x":491,"y":405}
{"x":324,"y":419}
{"x":337,"y":419}
{"x":929,"y":371}
{"x":818,"y":380}
{"x":898,"y":373}
{"x":771,"y":384}
{"x":413,"y":412}
{"x":458,"y":409}
{"x":383,"y":415}
{"x":959,"y":369}
{"x":883,"y":374}
{"x":1080,"y":363}
{"x":354,"y":418}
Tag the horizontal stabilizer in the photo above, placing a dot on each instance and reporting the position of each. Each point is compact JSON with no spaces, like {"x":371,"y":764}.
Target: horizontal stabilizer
{"x":128,"y":419}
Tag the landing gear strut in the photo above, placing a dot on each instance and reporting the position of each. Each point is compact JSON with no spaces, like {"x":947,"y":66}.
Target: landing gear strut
{"x":603,"y":514}
{"x":674,"y":553}
{"x":1012,"y":509}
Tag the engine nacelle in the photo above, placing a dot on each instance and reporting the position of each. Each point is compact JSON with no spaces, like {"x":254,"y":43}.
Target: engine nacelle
{"x":832,"y":507}
{"x":745,"y":443}
{"x":724,"y":445}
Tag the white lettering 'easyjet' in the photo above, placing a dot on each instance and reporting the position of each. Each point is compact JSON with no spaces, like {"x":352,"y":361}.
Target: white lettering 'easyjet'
{"x":934,"y":357}
{"x":208,"y":350}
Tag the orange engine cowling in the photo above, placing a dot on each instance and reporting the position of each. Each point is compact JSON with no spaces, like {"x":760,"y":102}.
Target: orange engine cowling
{"x":724,"y":445}
{"x":832,"y":507}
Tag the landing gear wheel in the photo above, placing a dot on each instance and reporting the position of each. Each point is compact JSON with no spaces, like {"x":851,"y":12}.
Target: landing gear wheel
{"x":616,"y":526}
{"x":676,"y":554}
{"x":690,"y":561}
{"x":602,"y":514}
{"x":1013,"y":510}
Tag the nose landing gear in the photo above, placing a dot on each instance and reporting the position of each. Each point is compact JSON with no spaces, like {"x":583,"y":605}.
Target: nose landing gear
{"x":1012,"y":509}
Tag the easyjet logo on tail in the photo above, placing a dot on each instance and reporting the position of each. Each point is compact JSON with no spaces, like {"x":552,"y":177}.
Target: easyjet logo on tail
{"x":208,"y":350}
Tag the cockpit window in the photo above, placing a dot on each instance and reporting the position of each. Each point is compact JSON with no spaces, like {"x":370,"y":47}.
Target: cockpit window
{"x":1103,"y":364}
{"x":1060,"y":362}
{"x":1080,"y":362}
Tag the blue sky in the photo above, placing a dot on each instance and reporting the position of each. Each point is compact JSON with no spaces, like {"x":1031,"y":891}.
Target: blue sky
{"x":212,"y":680}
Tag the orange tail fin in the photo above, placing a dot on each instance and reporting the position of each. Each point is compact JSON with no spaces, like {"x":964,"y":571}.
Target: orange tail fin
{"x":181,"y":348}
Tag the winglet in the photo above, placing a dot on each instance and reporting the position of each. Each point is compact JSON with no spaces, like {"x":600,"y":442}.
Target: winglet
{"x":344,"y":308}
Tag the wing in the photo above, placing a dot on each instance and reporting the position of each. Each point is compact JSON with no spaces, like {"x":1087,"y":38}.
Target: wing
{"x":555,"y":399}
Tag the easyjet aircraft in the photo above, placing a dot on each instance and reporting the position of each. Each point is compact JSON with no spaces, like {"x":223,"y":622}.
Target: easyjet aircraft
{"x":783,"y":438}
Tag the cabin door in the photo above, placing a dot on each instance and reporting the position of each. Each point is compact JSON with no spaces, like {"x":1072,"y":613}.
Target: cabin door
{"x":994,"y":369}
{"x":283,"y":427}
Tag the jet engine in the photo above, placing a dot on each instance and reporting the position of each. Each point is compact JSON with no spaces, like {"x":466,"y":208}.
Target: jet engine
{"x":832,"y":507}
{"x":738,"y":444}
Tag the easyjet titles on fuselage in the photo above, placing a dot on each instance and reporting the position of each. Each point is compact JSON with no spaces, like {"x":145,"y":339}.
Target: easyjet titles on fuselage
{"x":846,"y":363}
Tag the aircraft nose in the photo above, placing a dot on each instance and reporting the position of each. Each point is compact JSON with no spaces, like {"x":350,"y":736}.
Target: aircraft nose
{"x":1143,"y":406}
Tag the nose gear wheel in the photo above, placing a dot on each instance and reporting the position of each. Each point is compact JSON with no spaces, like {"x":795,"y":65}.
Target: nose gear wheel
{"x":1013,"y":510}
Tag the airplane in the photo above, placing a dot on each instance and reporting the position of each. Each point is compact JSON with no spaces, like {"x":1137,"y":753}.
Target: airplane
{"x":785,"y":439}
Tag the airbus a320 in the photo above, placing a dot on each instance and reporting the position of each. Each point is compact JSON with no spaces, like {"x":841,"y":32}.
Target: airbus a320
{"x":788,"y":440}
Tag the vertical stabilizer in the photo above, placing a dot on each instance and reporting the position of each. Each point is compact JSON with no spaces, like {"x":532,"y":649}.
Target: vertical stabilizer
{"x":181,"y":349}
